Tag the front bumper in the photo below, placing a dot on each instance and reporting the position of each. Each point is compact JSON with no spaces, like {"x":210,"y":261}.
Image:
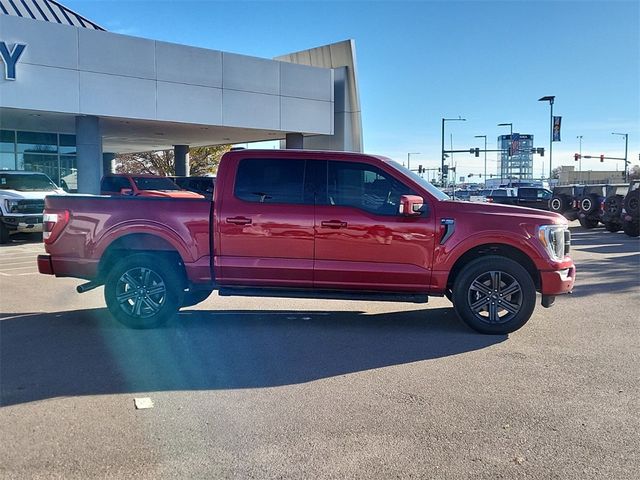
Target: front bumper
{"x":558,"y":282}
{"x":23,"y":223}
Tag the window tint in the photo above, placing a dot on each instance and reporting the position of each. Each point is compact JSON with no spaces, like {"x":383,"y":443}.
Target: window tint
{"x":527,"y":192}
{"x":270,"y":180}
{"x":365,"y":187}
{"x":114,"y":184}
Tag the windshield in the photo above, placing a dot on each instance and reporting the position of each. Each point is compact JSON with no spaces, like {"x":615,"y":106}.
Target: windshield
{"x":437,"y":193}
{"x":24,"y":182}
{"x":155,"y":183}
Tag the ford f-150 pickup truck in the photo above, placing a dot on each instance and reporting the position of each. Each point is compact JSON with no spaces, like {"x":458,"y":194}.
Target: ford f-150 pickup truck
{"x":299,"y":223}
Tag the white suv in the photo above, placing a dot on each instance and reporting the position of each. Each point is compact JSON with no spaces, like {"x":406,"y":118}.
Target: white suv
{"x":22,"y":201}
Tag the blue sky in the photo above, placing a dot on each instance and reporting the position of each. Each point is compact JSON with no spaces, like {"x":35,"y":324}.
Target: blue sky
{"x":419,"y":61}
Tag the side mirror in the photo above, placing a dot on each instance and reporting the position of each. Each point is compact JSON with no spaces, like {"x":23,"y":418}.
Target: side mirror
{"x":126,"y":191}
{"x":411,"y":205}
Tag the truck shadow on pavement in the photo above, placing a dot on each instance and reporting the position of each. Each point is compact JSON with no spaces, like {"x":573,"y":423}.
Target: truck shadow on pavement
{"x":86,"y":352}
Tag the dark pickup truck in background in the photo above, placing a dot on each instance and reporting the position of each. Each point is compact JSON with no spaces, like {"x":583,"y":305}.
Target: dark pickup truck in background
{"x":531,"y":197}
{"x":298,"y":223}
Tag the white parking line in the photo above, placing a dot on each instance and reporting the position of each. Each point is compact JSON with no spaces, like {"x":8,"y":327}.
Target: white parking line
{"x":19,"y":268}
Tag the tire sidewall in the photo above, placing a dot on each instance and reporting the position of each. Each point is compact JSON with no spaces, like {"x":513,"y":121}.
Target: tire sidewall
{"x":494,"y":263}
{"x":162,"y":267}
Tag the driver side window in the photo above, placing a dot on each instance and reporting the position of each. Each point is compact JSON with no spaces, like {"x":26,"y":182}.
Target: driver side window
{"x":365,"y":187}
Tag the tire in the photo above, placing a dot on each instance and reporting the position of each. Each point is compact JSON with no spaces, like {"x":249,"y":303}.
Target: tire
{"x":4,"y":233}
{"x":631,"y":228}
{"x":631,"y":203}
{"x":480,"y":288}
{"x":160,"y":290}
{"x":612,"y":227}
{"x":588,"y":222}
{"x":559,"y":203}
{"x":194,"y":297}
{"x":589,"y":204}
{"x":613,"y":206}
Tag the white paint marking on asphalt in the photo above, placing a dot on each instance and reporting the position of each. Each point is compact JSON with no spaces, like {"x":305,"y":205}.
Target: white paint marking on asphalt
{"x":18,"y":268}
{"x":30,"y":260}
{"x":142,"y":403}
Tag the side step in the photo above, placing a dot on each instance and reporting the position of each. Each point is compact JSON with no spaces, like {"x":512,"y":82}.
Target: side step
{"x":323,"y":294}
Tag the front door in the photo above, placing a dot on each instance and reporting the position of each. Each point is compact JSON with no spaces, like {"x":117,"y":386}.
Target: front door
{"x":362,"y":242}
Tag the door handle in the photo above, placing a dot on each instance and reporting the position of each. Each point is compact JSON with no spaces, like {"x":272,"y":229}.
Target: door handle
{"x":334,"y":224}
{"x":239,"y":220}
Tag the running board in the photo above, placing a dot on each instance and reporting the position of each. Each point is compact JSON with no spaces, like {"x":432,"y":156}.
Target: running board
{"x":324,"y":294}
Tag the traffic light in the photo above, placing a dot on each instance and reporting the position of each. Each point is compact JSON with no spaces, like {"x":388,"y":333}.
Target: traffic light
{"x":445,"y":171}
{"x":602,"y":158}
{"x":420,"y":169}
{"x":541,"y":152}
{"x":576,"y":156}
{"x":477,"y":152}
{"x":509,"y":151}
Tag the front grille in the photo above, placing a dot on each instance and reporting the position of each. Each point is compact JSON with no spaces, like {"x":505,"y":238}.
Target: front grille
{"x":30,"y":206}
{"x":567,"y":242}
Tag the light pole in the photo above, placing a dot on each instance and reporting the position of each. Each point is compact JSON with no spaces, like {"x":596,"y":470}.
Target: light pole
{"x":459,"y":119}
{"x":550,"y":99}
{"x":579,"y":137}
{"x":509,"y":152}
{"x":626,"y":148}
{"x":485,"y":156}
{"x":409,"y":159}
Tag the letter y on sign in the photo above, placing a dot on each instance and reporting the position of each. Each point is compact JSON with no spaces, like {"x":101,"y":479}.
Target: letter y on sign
{"x":10,"y":58}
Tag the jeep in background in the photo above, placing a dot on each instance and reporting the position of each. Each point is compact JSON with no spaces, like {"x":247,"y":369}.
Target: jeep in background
{"x":613,"y":205}
{"x":563,"y":201}
{"x":22,"y":201}
{"x":631,"y":212}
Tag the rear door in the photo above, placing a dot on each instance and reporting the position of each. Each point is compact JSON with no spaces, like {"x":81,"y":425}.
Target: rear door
{"x":362,"y":242}
{"x":266,"y":225}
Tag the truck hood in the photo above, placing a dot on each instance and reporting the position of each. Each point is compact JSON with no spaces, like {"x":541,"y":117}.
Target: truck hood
{"x":509,"y":212}
{"x":35,"y":195}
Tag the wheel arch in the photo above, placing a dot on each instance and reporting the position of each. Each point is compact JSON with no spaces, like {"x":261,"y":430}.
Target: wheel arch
{"x":501,"y":249}
{"x":135,"y":243}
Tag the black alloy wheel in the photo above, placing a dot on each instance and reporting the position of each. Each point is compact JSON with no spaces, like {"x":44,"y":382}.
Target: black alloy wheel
{"x":494,"y":295}
{"x":143,"y":290}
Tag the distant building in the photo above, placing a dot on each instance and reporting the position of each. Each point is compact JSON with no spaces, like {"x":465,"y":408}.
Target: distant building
{"x":569,"y":174}
{"x":518,"y":165}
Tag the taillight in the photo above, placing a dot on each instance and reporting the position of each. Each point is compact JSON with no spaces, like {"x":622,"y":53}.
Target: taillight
{"x":489,"y":200}
{"x":53,"y":222}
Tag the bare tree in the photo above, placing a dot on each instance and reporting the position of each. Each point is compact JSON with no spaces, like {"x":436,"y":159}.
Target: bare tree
{"x":202,"y":161}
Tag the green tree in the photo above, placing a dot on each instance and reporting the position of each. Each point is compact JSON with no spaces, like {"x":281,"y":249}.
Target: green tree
{"x":634,"y":172}
{"x":202,"y":161}
{"x":555,"y":173}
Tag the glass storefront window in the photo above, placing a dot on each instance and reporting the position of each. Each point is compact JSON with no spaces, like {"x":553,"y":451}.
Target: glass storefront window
{"x":37,"y":142}
{"x":35,"y":162}
{"x":7,"y":161}
{"x":67,"y":144}
{"x":68,"y":173}
{"x":7,"y":141}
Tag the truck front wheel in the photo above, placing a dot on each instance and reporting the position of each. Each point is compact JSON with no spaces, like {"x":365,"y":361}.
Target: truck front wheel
{"x":143,"y":290}
{"x":494,"y":295}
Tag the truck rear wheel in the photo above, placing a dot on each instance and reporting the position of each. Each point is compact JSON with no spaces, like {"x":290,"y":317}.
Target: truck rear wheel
{"x":588,"y":222}
{"x":143,"y":290}
{"x":494,"y":295}
{"x":4,"y":233}
{"x":612,"y":227}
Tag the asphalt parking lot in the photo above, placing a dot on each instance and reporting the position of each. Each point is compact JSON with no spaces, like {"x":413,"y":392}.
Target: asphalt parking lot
{"x":255,"y":388}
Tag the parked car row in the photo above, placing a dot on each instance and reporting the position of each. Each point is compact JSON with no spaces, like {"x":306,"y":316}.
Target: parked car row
{"x":613,"y":205}
{"x":530,"y":196}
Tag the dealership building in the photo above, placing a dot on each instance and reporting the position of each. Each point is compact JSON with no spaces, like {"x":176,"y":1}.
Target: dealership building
{"x":73,"y":95}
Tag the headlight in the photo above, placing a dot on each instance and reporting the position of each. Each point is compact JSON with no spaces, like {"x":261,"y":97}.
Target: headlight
{"x":11,"y":206}
{"x":556,"y":240}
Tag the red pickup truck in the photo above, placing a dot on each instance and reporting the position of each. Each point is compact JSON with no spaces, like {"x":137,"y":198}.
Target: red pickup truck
{"x":297,"y":223}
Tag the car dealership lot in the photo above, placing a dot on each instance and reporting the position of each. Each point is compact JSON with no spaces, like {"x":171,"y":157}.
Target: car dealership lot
{"x":298,"y":389}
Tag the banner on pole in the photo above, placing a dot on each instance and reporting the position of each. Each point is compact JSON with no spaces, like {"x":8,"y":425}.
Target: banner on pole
{"x":556,"y":128}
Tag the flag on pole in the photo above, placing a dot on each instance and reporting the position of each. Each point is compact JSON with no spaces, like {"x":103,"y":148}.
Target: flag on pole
{"x":556,"y":128}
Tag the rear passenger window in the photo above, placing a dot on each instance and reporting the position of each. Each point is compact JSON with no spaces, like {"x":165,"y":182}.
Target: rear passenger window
{"x":270,"y":180}
{"x":114,"y":184}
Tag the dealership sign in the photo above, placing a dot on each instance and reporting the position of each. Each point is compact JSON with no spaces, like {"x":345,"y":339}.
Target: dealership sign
{"x":10,"y":58}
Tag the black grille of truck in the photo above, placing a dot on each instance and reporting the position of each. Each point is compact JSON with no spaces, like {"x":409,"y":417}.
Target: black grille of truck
{"x":30,"y":206}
